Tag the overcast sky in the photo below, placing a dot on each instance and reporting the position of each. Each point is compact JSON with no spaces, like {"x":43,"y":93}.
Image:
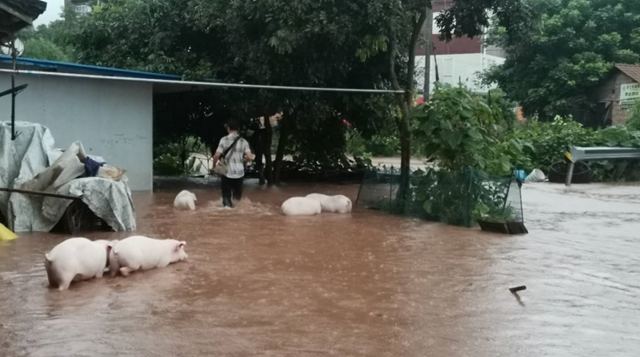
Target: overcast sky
{"x":54,"y":8}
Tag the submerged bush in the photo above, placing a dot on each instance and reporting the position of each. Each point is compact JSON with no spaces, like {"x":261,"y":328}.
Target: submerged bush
{"x":546,"y":143}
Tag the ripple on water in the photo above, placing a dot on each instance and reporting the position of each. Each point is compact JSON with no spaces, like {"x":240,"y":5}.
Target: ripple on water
{"x":365,"y":284}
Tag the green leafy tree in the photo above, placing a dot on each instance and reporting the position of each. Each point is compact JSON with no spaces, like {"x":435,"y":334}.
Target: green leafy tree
{"x":46,"y":42}
{"x":333,"y":43}
{"x":42,"y":48}
{"x":153,"y":36}
{"x":309,"y":44}
{"x":396,"y":29}
{"x":565,"y":49}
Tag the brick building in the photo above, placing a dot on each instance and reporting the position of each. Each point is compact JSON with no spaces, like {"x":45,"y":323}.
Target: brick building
{"x":614,"y":98}
{"x":459,"y":60}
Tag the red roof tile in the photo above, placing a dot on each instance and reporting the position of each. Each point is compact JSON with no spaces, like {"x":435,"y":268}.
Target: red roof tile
{"x":630,"y":70}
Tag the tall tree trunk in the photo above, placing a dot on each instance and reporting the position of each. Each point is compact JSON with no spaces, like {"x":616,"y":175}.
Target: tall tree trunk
{"x":428,"y":47}
{"x":285,"y":124}
{"x":405,"y":154}
{"x":267,"y":150}
{"x":405,"y":100}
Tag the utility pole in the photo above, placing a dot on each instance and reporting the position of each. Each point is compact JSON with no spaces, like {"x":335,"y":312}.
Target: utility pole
{"x":428,"y":46}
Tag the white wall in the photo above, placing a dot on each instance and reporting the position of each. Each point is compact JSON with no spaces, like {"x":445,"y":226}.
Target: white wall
{"x":455,"y":68}
{"x":435,"y":29}
{"x":112,"y":119}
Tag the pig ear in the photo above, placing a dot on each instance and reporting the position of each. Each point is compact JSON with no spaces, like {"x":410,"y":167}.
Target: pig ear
{"x":180,"y":245}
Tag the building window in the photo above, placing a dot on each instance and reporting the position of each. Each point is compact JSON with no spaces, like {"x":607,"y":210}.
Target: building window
{"x":82,"y":9}
{"x":435,"y":30}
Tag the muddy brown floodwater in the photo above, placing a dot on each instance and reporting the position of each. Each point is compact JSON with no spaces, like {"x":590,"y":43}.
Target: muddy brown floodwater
{"x":366,"y":284}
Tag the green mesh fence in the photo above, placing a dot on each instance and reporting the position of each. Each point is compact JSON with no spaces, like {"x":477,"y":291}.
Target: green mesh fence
{"x":456,"y":198}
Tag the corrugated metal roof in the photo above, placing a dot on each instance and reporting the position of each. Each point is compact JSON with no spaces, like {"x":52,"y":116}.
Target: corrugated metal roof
{"x":18,"y":14}
{"x":630,"y":70}
{"x":65,"y":67}
{"x":31,"y":8}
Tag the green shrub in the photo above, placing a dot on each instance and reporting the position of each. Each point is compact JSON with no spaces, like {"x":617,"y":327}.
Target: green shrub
{"x":356,"y":145}
{"x":545,"y":143}
{"x":173,"y":158}
{"x":633,"y":122}
{"x":458,"y":129}
{"x":460,"y":197}
{"x":383,"y":145}
{"x":452,"y":197}
{"x":166,"y":165}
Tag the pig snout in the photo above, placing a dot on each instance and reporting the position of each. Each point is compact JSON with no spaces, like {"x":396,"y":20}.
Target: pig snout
{"x":343,"y":204}
{"x":182,"y":255}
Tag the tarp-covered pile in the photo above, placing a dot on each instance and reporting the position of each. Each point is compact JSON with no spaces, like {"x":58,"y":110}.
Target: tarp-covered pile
{"x":31,"y":163}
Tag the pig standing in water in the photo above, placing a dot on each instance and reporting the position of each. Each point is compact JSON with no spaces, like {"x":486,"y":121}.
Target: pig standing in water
{"x":301,"y":206}
{"x":333,"y":204}
{"x":185,"y":200}
{"x":142,"y":253}
{"x":76,"y":259}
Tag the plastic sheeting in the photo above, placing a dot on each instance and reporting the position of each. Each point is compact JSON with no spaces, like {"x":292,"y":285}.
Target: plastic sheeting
{"x":32,"y":163}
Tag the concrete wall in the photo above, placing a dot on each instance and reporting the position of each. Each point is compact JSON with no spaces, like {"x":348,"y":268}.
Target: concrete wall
{"x":609,"y":91}
{"x":455,"y":68}
{"x":112,"y":119}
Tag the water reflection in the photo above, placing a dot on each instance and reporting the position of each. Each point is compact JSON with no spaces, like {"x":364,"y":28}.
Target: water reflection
{"x":364,"y":284}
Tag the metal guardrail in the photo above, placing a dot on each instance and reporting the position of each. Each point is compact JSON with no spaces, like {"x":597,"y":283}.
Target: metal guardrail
{"x":577,"y":154}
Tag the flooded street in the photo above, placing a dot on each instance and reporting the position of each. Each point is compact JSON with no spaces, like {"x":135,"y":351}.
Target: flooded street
{"x":367,"y":284}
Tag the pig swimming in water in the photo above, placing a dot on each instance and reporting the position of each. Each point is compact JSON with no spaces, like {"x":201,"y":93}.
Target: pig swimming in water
{"x":301,"y":206}
{"x":76,"y":259}
{"x":185,"y":200}
{"x":333,"y":204}
{"x":143,"y":253}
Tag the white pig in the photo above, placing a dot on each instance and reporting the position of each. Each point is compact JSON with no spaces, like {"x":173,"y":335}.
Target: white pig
{"x":143,"y":253}
{"x":333,"y":204}
{"x":185,"y":200}
{"x":301,"y":206}
{"x":76,"y":259}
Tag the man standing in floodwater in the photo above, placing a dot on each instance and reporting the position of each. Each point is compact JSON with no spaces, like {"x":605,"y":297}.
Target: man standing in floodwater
{"x":236,"y":153}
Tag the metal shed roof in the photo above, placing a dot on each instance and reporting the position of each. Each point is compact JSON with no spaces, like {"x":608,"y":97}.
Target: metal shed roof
{"x":65,"y":67}
{"x":162,"y":83}
{"x":18,"y":14}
